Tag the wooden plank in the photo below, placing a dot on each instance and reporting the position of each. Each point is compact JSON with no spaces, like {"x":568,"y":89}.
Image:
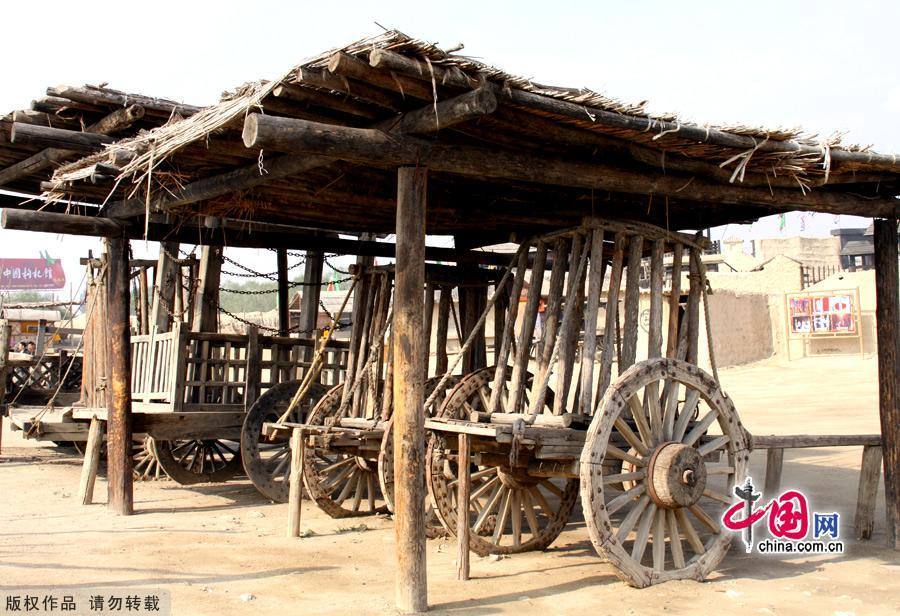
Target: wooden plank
{"x":869,"y":473}
{"x":654,"y":339}
{"x":570,"y":330}
{"x":887,"y":319}
{"x":612,"y":309}
{"x":526,"y":334}
{"x":632,"y":302}
{"x":464,"y":488}
{"x":499,"y":382}
{"x":253,"y":375}
{"x":284,"y":315}
{"x":409,"y":434}
{"x":674,"y":302}
{"x":443,"y":319}
{"x":771,"y":441}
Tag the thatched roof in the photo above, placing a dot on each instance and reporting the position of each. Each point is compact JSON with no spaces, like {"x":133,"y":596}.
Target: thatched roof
{"x":567,"y":123}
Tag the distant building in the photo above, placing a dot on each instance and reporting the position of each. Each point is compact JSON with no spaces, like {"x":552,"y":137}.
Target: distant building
{"x":857,"y":248}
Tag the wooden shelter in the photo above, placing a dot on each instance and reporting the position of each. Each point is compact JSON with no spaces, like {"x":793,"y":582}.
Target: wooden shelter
{"x":394,"y":135}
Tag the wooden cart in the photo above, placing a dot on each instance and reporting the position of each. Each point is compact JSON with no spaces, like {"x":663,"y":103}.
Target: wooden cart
{"x":653,"y":448}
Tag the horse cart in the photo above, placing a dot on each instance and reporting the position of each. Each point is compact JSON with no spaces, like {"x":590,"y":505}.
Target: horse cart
{"x":346,"y":429}
{"x":652,"y":449}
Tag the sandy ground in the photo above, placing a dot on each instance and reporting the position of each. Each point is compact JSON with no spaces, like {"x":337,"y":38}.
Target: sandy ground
{"x":211,"y":544}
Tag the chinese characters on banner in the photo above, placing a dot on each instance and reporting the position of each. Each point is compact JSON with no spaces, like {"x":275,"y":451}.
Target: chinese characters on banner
{"x":831,"y":312}
{"x":41,"y":273}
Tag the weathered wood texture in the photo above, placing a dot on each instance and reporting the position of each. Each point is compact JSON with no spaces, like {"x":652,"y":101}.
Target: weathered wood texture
{"x":464,"y":488}
{"x":206,"y":306}
{"x":284,"y":315}
{"x":91,"y":462}
{"x":295,"y":493}
{"x":164,"y":287}
{"x":119,"y":461}
{"x":869,"y":474}
{"x":887,"y":317}
{"x":409,"y":428}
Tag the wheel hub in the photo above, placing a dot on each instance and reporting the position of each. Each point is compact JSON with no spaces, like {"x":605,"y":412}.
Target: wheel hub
{"x":516,"y":480}
{"x":676,"y":476}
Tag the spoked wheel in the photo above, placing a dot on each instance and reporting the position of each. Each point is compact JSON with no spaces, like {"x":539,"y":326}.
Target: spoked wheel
{"x":343,"y":485}
{"x":267,"y":460}
{"x":509,"y":511}
{"x":433,"y":526}
{"x":145,"y":462}
{"x":199,"y":460}
{"x":681,"y":461}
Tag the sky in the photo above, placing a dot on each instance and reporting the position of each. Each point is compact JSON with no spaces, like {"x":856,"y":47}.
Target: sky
{"x":825,"y":65}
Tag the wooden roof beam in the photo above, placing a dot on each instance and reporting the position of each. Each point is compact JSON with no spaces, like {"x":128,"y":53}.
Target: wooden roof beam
{"x":428,"y":119}
{"x":118,"y":120}
{"x":229,"y":233}
{"x":367,"y":146}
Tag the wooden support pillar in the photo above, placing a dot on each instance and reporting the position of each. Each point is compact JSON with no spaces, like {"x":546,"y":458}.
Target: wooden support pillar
{"x":409,"y":419}
{"x":462,"y":522}
{"x":295,"y":488}
{"x":284,"y":315}
{"x":887,"y":318}
{"x":144,"y":298}
{"x":91,"y":462}
{"x":167,"y":272}
{"x":206,"y":305}
{"x":118,"y":446}
{"x":310,"y":293}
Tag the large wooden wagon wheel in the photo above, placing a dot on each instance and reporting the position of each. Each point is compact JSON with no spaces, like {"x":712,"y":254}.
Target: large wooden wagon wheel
{"x":342,"y":484}
{"x":267,"y":460}
{"x":685,"y":451}
{"x":193,"y":461}
{"x":433,"y":526}
{"x":509,"y":510}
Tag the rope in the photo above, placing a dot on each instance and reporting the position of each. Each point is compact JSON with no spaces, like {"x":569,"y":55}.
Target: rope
{"x":705,"y":290}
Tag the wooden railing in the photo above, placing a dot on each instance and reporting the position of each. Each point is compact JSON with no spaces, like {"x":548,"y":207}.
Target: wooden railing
{"x":200,"y":371}
{"x":869,"y":472}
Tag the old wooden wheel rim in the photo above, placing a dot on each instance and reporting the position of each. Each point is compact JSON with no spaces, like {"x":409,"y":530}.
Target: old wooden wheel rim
{"x":510,"y":512}
{"x":267,"y":461}
{"x":675,"y":419}
{"x":342,"y":485}
{"x":193,"y":461}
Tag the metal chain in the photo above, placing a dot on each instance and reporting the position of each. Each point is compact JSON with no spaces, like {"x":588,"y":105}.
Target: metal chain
{"x":290,"y":285}
{"x":253,"y":273}
{"x":293,"y":330}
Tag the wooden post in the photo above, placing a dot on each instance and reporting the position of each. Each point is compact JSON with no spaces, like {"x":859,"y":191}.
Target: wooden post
{"x":118,"y":447}
{"x":462,"y":511}
{"x":869,"y":473}
{"x":166,"y":282}
{"x":887,"y":319}
{"x":206,"y":306}
{"x":4,"y":359}
{"x":284,"y":315}
{"x":774,"y":464}
{"x":310,"y":293}
{"x":295,"y":492}
{"x":91,"y":462}
{"x":409,"y":419}
{"x":144,"y":298}
{"x":41,"y":338}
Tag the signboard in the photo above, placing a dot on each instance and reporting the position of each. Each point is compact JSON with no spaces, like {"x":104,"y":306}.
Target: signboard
{"x":824,"y":313}
{"x":40,"y":273}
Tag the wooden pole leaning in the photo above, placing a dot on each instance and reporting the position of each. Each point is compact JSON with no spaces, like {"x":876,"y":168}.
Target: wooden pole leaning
{"x":91,"y":462}
{"x":409,"y":417}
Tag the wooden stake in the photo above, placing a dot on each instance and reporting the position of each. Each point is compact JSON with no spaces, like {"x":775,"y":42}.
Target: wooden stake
{"x":118,"y":446}
{"x":166,"y":283}
{"x":774,"y":464}
{"x":206,"y":306}
{"x":462,"y":510}
{"x":632,"y":302}
{"x":411,"y":587}
{"x":310,"y":294}
{"x":887,"y":320}
{"x":295,"y":492}
{"x":91,"y":462}
{"x":674,"y":301}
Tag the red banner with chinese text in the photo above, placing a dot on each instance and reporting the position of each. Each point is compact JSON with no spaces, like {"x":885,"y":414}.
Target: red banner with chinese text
{"x":21,"y":274}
